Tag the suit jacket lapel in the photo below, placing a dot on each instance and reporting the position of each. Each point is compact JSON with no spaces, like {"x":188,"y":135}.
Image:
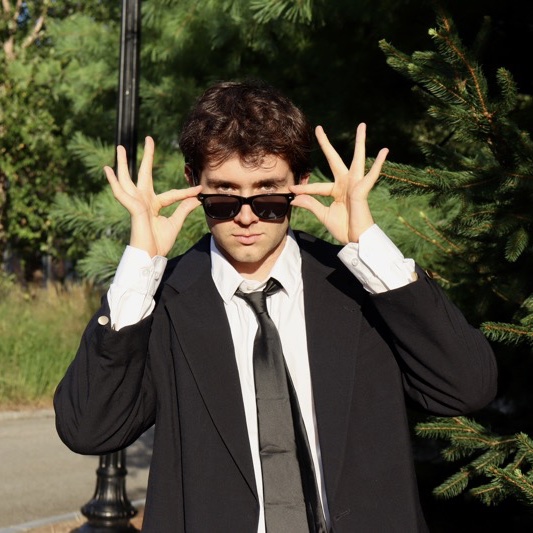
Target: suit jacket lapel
{"x":332,"y":327}
{"x":200,"y":322}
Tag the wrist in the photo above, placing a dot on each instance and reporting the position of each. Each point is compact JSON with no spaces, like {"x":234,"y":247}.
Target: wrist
{"x":141,"y":236}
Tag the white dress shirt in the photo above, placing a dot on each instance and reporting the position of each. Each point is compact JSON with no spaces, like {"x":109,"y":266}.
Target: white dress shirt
{"x":375,"y":261}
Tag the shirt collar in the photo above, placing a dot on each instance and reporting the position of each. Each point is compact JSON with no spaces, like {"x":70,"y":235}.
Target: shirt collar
{"x":287,"y":270}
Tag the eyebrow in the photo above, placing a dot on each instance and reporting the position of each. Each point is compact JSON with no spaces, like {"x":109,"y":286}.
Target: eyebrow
{"x":214,"y":182}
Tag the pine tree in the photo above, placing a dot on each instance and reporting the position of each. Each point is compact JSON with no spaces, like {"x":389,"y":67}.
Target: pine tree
{"x":475,"y":235}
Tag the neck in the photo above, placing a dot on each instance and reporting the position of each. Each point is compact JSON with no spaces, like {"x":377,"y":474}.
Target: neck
{"x":256,"y":270}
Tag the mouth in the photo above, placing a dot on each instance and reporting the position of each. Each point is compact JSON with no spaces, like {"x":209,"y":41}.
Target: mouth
{"x":247,"y":239}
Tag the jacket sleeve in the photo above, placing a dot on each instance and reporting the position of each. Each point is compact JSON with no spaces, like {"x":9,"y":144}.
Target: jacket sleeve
{"x":106,"y":400}
{"x":448,"y":366}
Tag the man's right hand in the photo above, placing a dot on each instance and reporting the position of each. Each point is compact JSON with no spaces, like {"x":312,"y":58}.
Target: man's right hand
{"x":150,"y":231}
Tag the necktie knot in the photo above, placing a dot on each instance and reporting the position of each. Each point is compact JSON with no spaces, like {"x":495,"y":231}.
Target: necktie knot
{"x":257,"y":300}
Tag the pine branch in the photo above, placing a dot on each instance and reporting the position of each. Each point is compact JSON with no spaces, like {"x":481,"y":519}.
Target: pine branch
{"x":516,"y":244}
{"x":459,"y":430}
{"x":91,"y":219}
{"x":266,"y":11}
{"x":100,"y":263}
{"x":441,"y":235}
{"x":419,"y":234}
{"x":507,"y":333}
{"x":449,"y":44}
{"x":469,"y":438}
{"x":91,"y":152}
{"x":516,"y":482}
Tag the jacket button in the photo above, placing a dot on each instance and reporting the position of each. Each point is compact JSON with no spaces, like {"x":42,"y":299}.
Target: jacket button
{"x":103,"y":320}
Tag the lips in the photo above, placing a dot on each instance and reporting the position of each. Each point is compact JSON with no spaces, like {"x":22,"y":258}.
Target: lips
{"x":247,"y":239}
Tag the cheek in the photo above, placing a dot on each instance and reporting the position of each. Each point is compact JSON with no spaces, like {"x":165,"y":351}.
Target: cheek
{"x":278,"y":229}
{"x":210,"y":222}
{"x":216,"y":226}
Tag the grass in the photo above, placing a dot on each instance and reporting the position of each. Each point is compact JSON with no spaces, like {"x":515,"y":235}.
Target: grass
{"x":40,"y":330}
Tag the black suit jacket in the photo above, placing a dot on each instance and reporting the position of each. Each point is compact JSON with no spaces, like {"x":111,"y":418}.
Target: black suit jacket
{"x":177,"y":369}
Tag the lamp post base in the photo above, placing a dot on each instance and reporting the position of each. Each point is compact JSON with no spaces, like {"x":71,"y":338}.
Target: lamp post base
{"x":110,"y":510}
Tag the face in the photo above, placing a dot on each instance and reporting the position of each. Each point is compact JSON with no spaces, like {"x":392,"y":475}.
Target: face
{"x":248,"y":242}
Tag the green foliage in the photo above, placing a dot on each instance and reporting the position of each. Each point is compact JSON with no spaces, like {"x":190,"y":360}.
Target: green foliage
{"x":479,"y":221}
{"x":266,"y":11}
{"x":40,"y":330}
{"x":504,"y":463}
{"x":38,"y":111}
{"x":59,"y":78}
{"x":31,"y":165}
{"x":482,"y":167}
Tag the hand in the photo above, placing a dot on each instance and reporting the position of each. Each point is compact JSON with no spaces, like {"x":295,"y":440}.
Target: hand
{"x":150,"y":231}
{"x":349,"y":214}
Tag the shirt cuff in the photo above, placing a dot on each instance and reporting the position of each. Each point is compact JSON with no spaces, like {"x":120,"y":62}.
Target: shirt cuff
{"x":131,"y":295}
{"x":377,"y":263}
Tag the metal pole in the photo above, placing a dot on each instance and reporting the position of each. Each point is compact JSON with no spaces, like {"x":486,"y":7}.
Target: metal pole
{"x":110,"y":511}
{"x":128,"y":96}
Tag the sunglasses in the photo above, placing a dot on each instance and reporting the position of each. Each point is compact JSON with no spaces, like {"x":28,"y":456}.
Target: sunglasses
{"x":265,"y":206}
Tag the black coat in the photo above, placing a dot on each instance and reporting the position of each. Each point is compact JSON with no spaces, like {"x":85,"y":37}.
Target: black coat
{"x":177,"y":369}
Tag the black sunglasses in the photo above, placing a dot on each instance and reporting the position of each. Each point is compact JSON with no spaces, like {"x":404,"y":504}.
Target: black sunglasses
{"x":265,"y":206}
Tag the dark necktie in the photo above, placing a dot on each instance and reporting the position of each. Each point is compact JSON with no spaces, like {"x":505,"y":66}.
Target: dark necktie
{"x":292,"y":503}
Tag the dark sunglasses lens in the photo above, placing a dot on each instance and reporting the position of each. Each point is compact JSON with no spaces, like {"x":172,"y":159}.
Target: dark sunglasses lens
{"x":270,"y":207}
{"x":221,"y":207}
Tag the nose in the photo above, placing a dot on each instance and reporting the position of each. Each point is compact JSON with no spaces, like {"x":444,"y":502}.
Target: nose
{"x":246,"y":216}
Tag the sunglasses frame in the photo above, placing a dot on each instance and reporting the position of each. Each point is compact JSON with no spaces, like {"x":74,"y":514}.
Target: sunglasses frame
{"x":247,"y":200}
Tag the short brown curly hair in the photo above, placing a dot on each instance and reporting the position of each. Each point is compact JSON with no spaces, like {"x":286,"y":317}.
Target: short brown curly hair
{"x":250,"y":119}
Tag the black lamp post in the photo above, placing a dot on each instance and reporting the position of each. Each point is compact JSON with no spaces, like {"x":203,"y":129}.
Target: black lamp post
{"x":128,"y":95}
{"x":110,"y":511}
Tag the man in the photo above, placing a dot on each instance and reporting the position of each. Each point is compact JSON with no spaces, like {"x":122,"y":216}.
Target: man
{"x":361,"y":329}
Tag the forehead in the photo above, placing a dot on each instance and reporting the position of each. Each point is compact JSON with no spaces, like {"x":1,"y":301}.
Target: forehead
{"x":234,"y":170}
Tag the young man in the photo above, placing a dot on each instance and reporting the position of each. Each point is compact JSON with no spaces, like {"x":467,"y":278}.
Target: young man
{"x":361,"y":329}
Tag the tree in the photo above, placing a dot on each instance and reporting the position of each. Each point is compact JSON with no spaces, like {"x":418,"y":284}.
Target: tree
{"x":36,"y":122}
{"x":476,"y":236}
{"x":28,"y":140}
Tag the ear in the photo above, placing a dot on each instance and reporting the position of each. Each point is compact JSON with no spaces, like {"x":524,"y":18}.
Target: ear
{"x":304,"y":180}
{"x":189,"y":175}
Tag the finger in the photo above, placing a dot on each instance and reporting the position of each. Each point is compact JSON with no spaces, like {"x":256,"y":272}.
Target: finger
{"x":183,"y":210}
{"x":334,"y":159}
{"x":380,"y":159}
{"x":123,"y":173}
{"x":375,"y":170}
{"x":177,"y":195}
{"x":311,"y":204}
{"x":359,"y":154}
{"x":322,"y":189}
{"x":110,"y":175}
{"x":113,"y":181}
{"x":119,"y":193}
{"x":144,"y":179}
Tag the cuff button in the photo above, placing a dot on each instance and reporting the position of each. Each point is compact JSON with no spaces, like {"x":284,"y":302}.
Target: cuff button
{"x":103,"y":320}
